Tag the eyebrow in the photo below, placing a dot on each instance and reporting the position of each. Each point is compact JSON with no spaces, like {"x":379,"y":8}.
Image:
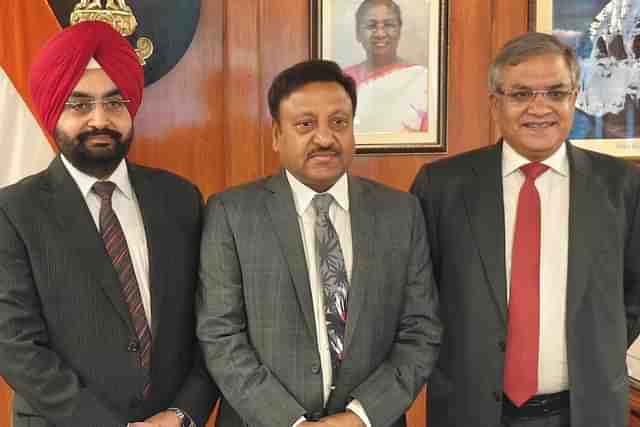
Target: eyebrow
{"x":551,"y":87}
{"x":80,"y":94}
{"x":385,"y":20}
{"x":305,"y":114}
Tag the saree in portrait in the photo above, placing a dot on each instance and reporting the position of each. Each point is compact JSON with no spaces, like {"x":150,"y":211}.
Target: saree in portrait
{"x":392,"y":99}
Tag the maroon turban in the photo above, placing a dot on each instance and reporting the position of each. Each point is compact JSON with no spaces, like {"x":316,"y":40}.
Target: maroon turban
{"x":62,"y":61}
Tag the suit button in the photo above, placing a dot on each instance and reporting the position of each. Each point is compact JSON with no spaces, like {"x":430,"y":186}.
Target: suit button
{"x":503,"y":346}
{"x":315,"y":369}
{"x":497,"y":395}
{"x":133,"y":347}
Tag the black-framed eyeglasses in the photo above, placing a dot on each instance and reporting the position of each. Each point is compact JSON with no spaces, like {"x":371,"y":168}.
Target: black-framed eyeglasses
{"x":525,"y":97}
{"x":86,"y":106}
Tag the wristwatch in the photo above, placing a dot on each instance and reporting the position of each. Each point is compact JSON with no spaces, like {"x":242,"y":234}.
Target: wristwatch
{"x":185,"y":420}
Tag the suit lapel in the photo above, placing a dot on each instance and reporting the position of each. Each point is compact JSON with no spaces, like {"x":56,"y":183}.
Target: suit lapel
{"x":282,"y":213}
{"x":81,"y":235}
{"x":363,"y":223}
{"x":153,"y":211}
{"x":485,"y":208}
{"x":585,"y":197}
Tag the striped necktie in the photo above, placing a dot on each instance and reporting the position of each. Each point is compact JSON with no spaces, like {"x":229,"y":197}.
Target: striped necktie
{"x":116,"y":246}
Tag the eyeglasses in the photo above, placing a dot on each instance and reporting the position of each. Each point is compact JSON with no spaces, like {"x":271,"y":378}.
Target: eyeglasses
{"x":525,"y":97}
{"x":110,"y":105}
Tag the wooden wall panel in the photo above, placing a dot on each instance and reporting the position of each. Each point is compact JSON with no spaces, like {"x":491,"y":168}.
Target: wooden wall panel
{"x":5,"y":404}
{"x":505,"y":29}
{"x":180,"y":124}
{"x":280,"y":49}
{"x":243,"y":155}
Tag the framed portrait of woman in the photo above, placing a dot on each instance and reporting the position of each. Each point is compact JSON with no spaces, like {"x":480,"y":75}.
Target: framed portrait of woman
{"x":395,"y":50}
{"x":606,"y":37}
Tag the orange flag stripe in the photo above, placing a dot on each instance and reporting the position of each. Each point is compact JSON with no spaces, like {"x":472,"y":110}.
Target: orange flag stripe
{"x":24,"y":28}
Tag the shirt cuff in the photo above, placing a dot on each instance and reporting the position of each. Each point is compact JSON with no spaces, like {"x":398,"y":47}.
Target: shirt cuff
{"x":356,"y":407}
{"x":299,"y":421}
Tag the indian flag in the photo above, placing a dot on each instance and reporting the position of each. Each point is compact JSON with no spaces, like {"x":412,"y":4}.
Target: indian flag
{"x":25,"y":25}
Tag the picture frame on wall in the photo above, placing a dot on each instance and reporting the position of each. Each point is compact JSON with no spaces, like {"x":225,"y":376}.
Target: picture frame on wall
{"x":603,"y":33}
{"x":397,"y":54}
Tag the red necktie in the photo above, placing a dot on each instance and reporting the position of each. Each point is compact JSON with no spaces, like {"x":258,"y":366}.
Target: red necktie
{"x":116,"y":246}
{"x":523,"y":324}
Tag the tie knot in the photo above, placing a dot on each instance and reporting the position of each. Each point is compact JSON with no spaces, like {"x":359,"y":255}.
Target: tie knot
{"x":533,"y":170}
{"x":104,"y":189}
{"x":322,"y":202}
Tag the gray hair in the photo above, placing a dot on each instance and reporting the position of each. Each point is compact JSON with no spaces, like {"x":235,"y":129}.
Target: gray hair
{"x":527,"y":46}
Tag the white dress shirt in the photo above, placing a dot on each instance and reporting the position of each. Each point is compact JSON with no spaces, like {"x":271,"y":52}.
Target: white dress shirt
{"x":553,"y":187}
{"x":341,"y":220}
{"x":125,"y":205}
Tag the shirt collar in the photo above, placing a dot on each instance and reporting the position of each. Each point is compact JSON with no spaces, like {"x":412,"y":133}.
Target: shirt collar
{"x":512,"y":160}
{"x":120,"y":177}
{"x":303,"y":195}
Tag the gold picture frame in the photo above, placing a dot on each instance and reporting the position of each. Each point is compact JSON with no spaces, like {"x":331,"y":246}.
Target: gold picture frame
{"x":392,"y":117}
{"x":579,"y":23}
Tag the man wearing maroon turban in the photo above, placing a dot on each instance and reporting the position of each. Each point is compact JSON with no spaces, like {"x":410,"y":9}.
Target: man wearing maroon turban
{"x":98,"y":257}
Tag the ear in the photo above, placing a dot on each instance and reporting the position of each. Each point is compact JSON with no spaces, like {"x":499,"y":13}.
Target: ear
{"x":276,"y":133}
{"x":574,"y":96}
{"x":493,"y":105}
{"x":360,"y":37}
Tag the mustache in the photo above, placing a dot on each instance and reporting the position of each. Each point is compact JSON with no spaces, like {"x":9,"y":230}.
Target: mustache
{"x":114,"y":134}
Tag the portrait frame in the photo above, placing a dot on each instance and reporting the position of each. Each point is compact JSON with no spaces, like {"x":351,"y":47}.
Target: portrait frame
{"x":541,"y":18}
{"x":333,"y":36}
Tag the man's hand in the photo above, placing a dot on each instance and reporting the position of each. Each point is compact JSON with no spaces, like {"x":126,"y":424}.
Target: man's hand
{"x":142,"y":425}
{"x":343,"y":419}
{"x":164,"y":419}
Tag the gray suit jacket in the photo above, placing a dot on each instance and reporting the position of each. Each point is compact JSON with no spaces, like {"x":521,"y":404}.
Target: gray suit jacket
{"x":255,"y":313}
{"x":463,"y":205}
{"x":65,"y":331}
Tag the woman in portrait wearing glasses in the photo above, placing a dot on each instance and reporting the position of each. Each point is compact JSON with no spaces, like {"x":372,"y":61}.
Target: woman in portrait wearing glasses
{"x":392,"y":92}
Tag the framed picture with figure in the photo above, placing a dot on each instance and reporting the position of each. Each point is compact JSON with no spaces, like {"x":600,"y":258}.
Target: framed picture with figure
{"x":396,"y":51}
{"x":606,"y":37}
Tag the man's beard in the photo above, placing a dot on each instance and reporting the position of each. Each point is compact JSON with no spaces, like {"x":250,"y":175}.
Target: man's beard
{"x":97,"y":163}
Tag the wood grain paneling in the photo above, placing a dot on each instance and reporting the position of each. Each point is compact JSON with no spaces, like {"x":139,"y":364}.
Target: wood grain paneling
{"x":180,"y":124}
{"x":5,"y":404}
{"x":242,"y":96}
{"x":505,"y":29}
{"x":279,"y":49}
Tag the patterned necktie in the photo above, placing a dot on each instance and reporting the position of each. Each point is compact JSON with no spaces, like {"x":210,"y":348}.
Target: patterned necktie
{"x":333,"y":278}
{"x":116,"y":246}
{"x":523,"y":323}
